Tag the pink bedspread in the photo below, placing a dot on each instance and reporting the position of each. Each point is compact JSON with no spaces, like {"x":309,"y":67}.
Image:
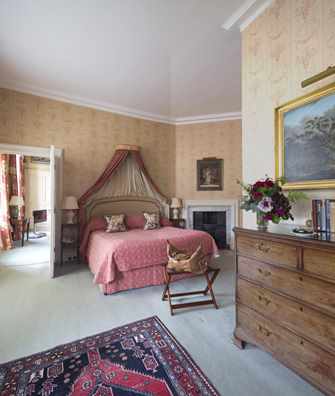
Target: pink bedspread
{"x":108,"y":253}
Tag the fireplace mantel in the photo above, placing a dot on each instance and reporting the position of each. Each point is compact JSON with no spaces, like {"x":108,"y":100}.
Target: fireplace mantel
{"x":230,"y":206}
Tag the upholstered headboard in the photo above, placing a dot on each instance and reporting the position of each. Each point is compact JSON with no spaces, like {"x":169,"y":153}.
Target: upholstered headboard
{"x":127,"y":205}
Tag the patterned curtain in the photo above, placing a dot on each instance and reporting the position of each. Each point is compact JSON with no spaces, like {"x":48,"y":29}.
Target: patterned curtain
{"x":16,"y":187}
{"x":5,"y":227}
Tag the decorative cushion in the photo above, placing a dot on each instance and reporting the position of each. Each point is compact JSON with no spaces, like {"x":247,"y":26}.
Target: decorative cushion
{"x":152,"y":221}
{"x":115,"y":223}
{"x":180,"y":261}
{"x":135,"y":221}
{"x":165,"y":222}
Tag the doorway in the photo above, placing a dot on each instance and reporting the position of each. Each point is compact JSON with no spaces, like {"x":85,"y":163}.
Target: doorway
{"x":33,"y":206}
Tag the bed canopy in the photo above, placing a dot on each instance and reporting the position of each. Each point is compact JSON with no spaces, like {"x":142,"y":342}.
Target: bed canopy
{"x":124,"y":185}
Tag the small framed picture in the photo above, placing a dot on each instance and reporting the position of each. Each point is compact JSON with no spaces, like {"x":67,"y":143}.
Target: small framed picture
{"x":209,"y":174}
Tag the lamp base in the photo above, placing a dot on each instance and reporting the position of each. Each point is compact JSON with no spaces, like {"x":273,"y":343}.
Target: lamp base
{"x":175,"y":213}
{"x":70,"y":216}
{"x":14,"y":212}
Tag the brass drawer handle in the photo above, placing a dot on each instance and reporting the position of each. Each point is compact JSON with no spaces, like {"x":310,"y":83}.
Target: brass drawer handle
{"x":264,"y":331}
{"x":264,"y":299}
{"x":264,"y":272}
{"x":262,"y":247}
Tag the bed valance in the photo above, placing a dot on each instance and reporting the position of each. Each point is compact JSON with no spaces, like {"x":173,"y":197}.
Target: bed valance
{"x":125,"y":176}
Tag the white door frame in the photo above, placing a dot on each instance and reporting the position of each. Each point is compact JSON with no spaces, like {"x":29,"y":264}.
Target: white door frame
{"x":41,"y":152}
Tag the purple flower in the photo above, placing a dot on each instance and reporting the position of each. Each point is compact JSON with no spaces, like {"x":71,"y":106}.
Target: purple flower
{"x":265,"y":205}
{"x":280,"y":212}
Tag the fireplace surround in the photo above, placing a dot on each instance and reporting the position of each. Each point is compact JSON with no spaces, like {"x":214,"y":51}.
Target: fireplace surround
{"x":229,"y":206}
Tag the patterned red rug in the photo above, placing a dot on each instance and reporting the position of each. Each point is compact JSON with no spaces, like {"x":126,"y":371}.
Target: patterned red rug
{"x":142,"y":358}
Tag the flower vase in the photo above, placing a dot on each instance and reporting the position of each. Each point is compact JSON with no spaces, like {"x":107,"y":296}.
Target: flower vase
{"x":262,"y":222}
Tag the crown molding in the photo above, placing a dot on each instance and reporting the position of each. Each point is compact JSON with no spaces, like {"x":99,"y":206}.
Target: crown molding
{"x":104,"y":106}
{"x":208,"y":118}
{"x":238,"y":14}
{"x":80,"y":101}
{"x":246,"y":14}
{"x":254,"y":15}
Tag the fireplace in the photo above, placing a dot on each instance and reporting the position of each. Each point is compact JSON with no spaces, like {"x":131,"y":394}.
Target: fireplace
{"x":213,"y":222}
{"x":229,"y":206}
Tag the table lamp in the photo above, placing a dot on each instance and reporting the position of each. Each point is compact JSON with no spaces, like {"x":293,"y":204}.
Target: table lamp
{"x":70,"y":206}
{"x":176,"y":204}
{"x":16,"y":202}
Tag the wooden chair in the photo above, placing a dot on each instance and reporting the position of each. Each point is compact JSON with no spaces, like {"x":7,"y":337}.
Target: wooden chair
{"x":209,"y":274}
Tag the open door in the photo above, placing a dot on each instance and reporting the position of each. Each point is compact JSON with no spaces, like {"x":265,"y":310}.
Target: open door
{"x":52,"y":210}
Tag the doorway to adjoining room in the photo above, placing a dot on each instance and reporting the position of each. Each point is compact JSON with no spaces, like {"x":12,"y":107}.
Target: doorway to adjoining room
{"x":29,"y":197}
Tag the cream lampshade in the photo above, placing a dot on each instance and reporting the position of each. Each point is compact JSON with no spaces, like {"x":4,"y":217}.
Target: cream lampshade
{"x":176,"y":204}
{"x":15,"y":202}
{"x":70,"y":205}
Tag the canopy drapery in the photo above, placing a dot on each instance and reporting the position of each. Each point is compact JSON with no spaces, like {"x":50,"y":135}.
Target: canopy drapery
{"x":125,"y":175}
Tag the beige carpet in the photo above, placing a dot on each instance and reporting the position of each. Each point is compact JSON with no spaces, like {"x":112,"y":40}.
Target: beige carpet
{"x":34,"y":251}
{"x":38,"y":313}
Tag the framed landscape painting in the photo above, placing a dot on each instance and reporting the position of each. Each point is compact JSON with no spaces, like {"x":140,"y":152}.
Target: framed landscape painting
{"x":305,"y":141}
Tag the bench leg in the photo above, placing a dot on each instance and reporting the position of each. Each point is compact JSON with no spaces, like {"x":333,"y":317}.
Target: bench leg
{"x":164,"y":297}
{"x":215,"y":274}
{"x":169,"y":293}
{"x":210,"y":284}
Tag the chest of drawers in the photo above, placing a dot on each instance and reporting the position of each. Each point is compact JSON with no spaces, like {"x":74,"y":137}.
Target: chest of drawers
{"x":285,"y":301}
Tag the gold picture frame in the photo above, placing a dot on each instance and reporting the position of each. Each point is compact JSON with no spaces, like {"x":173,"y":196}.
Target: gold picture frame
{"x":293,"y":125}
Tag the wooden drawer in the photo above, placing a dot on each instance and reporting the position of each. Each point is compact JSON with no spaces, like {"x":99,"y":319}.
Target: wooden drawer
{"x":311,"y":290}
{"x":320,"y":262}
{"x":313,"y":363}
{"x":269,"y":251}
{"x":299,"y":318}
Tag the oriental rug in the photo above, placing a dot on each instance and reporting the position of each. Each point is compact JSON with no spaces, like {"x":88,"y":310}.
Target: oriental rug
{"x":141,"y":358}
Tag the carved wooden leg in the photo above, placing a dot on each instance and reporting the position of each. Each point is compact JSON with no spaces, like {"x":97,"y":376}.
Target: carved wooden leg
{"x":238,"y":342}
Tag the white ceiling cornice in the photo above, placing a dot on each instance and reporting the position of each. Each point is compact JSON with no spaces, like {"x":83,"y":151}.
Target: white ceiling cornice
{"x":238,"y":14}
{"x":98,"y":105}
{"x":103,"y":106}
{"x":246,"y":14}
{"x":208,"y":118}
{"x":255,"y":14}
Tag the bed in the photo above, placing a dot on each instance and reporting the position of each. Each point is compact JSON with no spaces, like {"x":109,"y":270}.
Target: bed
{"x":134,"y":258}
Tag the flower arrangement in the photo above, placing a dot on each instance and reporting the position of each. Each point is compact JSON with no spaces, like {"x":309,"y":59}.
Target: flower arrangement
{"x":266,"y":198}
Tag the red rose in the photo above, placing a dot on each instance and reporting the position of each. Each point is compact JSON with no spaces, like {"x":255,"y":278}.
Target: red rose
{"x":258,"y":184}
{"x":269,"y":183}
{"x":257,"y":195}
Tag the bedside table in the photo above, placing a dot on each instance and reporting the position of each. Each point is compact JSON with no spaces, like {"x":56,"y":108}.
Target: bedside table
{"x":70,"y":243}
{"x":179,"y":223}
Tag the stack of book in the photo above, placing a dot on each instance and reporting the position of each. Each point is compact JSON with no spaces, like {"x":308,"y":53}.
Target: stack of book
{"x":323,"y":215}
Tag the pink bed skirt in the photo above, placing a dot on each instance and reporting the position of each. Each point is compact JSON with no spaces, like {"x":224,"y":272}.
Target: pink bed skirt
{"x":137,"y":278}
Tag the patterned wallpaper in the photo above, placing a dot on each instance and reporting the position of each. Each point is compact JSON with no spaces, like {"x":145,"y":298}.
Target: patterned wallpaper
{"x":291,"y":41}
{"x":88,"y":137}
{"x":196,"y":141}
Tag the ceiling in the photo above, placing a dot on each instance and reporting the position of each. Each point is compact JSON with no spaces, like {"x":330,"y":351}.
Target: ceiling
{"x":159,"y":59}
